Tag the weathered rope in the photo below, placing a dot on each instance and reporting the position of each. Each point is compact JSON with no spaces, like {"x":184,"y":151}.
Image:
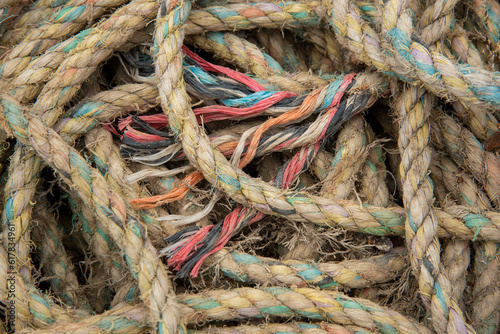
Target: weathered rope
{"x":300,"y":302}
{"x":94,"y":233}
{"x":31,"y":305}
{"x":26,"y":170}
{"x":248,"y":191}
{"x":463,"y":146}
{"x":254,"y":15}
{"x":486,"y":294}
{"x":123,"y":318}
{"x":488,"y":13}
{"x":247,"y":268}
{"x":249,"y":57}
{"x":62,"y":275}
{"x":456,"y":260}
{"x":440,"y":76}
{"x":125,"y":229}
{"x":40,"y":12}
{"x":69,"y":20}
{"x":325,"y":42}
{"x":351,"y":152}
{"x":75,"y":59}
{"x":373,"y":177}
{"x":282,"y":50}
{"x":296,"y":328}
{"x":414,"y":107}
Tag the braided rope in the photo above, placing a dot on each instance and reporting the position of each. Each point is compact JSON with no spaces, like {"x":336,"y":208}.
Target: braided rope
{"x":248,"y":56}
{"x":254,"y":15}
{"x":440,"y":76}
{"x":247,"y":268}
{"x":69,"y":20}
{"x":300,"y":302}
{"x":125,"y":229}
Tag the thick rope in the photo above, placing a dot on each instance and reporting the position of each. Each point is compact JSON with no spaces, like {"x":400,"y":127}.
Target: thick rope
{"x":437,"y":20}
{"x":248,"y":56}
{"x":486,"y":294}
{"x":292,"y":205}
{"x":296,"y":328}
{"x":68,"y":21}
{"x":54,"y":259}
{"x":41,"y":12}
{"x":351,"y":152}
{"x":414,"y":109}
{"x":373,"y":176}
{"x":488,"y":13}
{"x":325,"y":42}
{"x":123,"y":318}
{"x":299,"y":302}
{"x":247,"y":268}
{"x":463,"y":146}
{"x":440,"y":76}
{"x":254,"y":15}
{"x":125,"y":229}
{"x":30,"y":304}
{"x":282,"y":49}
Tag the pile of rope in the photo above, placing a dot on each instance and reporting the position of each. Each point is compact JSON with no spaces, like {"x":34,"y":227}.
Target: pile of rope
{"x":235,"y":166}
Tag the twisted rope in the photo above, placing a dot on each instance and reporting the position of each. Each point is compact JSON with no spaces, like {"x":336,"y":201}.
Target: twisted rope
{"x":122,"y":318}
{"x":62,"y":275}
{"x":486,"y":294}
{"x":125,"y":229}
{"x":247,"y":268}
{"x":282,"y":50}
{"x":69,"y":20}
{"x":31,"y":305}
{"x":40,"y":12}
{"x":488,"y":13}
{"x":249,"y":57}
{"x":297,"y":328}
{"x":437,"y":20}
{"x":462,"y":145}
{"x":301,"y":302}
{"x":325,"y":42}
{"x":292,"y":205}
{"x":373,"y":184}
{"x":351,"y":153}
{"x":254,"y":15}
{"x":408,"y":59}
{"x":421,"y":224}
